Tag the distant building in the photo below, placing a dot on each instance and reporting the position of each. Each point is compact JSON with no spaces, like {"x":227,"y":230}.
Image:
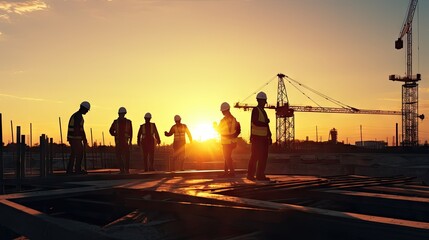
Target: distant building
{"x":371,"y":144}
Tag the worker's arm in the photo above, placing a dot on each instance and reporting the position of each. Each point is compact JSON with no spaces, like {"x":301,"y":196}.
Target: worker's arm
{"x":216,"y":127}
{"x":158,"y":139}
{"x":188,"y":133}
{"x":139,"y":136}
{"x":131,"y":132}
{"x":112,"y":129}
{"x":171,"y":132}
{"x":77,"y":127}
{"x":237,"y":130}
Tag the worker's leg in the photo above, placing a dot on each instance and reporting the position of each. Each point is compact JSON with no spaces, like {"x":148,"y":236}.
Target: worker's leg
{"x":227,"y":152}
{"x":251,"y":168}
{"x":127,"y":158}
{"x":119,"y":159}
{"x":151,"y":158}
{"x":145,"y":156}
{"x":79,"y":155}
{"x":262,"y":163}
{"x":72,"y":157}
{"x":179,"y":152}
{"x":181,"y":157}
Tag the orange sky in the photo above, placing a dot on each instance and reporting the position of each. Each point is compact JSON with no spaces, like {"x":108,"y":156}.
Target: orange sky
{"x":187,"y":57}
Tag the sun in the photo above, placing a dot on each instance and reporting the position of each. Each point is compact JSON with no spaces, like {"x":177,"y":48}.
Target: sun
{"x":203,"y":132}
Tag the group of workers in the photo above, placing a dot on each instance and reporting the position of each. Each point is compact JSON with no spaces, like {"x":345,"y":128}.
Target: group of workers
{"x":148,"y":137}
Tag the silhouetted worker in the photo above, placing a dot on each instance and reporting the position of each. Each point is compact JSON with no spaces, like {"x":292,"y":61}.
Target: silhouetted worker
{"x":179,"y":130}
{"x":229,"y":129}
{"x":77,"y":138}
{"x":122,"y":130}
{"x":260,"y":138}
{"x":147,"y":138}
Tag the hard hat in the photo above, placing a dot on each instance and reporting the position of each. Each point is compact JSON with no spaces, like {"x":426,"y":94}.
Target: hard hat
{"x":148,"y":115}
{"x":177,"y":118}
{"x":86,"y":105}
{"x":122,"y":110}
{"x":224,"y":106}
{"x":261,"y":95}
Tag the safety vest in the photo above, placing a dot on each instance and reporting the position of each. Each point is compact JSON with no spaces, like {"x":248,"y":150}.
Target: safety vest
{"x":127,"y":133}
{"x":179,"y":133}
{"x":260,"y":130}
{"x":152,"y":130}
{"x":71,"y":132}
{"x":227,"y":127}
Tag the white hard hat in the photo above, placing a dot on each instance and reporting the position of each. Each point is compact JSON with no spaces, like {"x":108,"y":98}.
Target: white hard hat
{"x":86,"y":105}
{"x":224,"y":106}
{"x":177,"y":118}
{"x":122,"y":110}
{"x":261,"y":95}
{"x":148,"y":115}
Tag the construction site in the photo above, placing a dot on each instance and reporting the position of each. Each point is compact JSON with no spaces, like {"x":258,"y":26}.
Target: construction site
{"x":315,"y":189}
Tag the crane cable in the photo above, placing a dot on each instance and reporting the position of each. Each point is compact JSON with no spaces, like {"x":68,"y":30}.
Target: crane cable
{"x":418,"y":38}
{"x":257,"y":90}
{"x":343,"y":105}
{"x":289,"y":80}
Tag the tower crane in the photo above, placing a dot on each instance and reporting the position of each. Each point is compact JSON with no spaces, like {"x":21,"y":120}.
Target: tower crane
{"x":410,"y":100}
{"x":285,"y":117}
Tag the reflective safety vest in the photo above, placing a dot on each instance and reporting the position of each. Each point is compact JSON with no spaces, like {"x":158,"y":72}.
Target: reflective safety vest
{"x":73,"y":133}
{"x":127,"y":133}
{"x":227,"y":127}
{"x":260,"y":130}
{"x":143,"y":130}
{"x":179,"y":133}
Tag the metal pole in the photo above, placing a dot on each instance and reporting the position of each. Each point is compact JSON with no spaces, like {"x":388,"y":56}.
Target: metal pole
{"x":42,"y":155}
{"x":18,"y":158}
{"x":51,"y":156}
{"x":361,"y":141}
{"x":1,"y":157}
{"x":103,"y":161}
{"x":62,"y":145}
{"x":31,"y":145}
{"x":92,"y":150}
{"x":22,"y":156}
{"x":317,"y":135}
{"x":11,"y":129}
{"x":397,"y":138}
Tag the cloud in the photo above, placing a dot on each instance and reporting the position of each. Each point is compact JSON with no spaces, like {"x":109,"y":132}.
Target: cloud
{"x":4,"y":17}
{"x":28,"y":98}
{"x":21,"y":7}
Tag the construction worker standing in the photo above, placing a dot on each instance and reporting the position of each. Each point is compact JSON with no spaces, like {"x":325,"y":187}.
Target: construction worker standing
{"x":77,"y":138}
{"x":229,"y":129}
{"x":147,"y":138}
{"x":179,"y":130}
{"x":122,"y":130}
{"x":260,"y":138}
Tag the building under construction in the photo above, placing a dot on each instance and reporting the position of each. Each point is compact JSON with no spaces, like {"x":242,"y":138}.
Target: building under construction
{"x":310,"y":196}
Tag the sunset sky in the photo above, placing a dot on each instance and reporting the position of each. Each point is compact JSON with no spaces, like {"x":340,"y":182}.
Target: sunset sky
{"x":186,"y":57}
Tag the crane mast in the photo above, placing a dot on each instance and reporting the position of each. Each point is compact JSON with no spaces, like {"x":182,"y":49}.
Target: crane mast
{"x":410,"y":87}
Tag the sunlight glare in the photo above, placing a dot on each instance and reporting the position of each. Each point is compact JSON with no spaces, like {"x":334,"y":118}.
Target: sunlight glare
{"x":204,"y":131}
